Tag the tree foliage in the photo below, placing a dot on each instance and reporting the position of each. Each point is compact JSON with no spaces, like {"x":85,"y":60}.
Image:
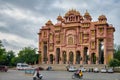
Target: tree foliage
{"x":5,"y":57}
{"x":10,"y":55}
{"x":27,"y":55}
{"x":114,"y":63}
{"x":117,"y":52}
{"x":2,"y":54}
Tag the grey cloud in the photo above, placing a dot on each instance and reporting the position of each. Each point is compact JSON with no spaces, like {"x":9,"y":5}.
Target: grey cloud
{"x":12,"y":45}
{"x":45,"y":8}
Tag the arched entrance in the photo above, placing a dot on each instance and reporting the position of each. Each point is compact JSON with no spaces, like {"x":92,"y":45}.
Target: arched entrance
{"x":51,"y":58}
{"x":64,"y":57}
{"x":71,"y":57}
{"x":78,"y":57}
{"x":58,"y":55}
{"x":85,"y":55}
{"x":45,"y":59}
{"x":93,"y":58}
{"x":101,"y":51}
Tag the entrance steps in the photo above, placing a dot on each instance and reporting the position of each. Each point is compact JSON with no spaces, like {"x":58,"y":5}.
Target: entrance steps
{"x":63,"y":66}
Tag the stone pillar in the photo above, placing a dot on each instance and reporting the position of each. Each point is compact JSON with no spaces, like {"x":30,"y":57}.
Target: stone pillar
{"x":105,"y":52}
{"x":61,"y":62}
{"x":74,"y":62}
{"x":82,"y":52}
{"x":48,"y":59}
{"x":97,"y":54}
{"x":67,"y":53}
{"x":89,"y":61}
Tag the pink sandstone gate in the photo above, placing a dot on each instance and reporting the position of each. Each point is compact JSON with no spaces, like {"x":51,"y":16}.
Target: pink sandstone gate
{"x":76,"y":39}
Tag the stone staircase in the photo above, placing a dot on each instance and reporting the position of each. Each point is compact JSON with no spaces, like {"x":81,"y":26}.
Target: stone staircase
{"x":63,"y":66}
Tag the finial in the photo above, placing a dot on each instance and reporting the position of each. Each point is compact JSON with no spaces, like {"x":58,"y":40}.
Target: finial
{"x":86,"y":11}
{"x":59,"y":14}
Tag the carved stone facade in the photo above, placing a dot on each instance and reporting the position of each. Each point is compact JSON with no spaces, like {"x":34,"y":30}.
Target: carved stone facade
{"x":76,"y":39}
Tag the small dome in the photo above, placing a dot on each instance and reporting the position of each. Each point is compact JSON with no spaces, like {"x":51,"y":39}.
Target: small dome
{"x":49,"y":23}
{"x":87,"y":15}
{"x":59,"y":18}
{"x":102,"y":17}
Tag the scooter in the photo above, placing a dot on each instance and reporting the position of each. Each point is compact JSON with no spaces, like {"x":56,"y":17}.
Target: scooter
{"x":77,"y":76}
{"x":38,"y":78}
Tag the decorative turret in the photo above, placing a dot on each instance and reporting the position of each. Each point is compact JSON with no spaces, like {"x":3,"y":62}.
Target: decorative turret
{"x":59,"y":18}
{"x":49,"y":23}
{"x":102,"y":18}
{"x":87,"y":16}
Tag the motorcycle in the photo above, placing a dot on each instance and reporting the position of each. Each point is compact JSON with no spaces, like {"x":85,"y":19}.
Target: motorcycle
{"x":77,"y":76}
{"x":38,"y":78}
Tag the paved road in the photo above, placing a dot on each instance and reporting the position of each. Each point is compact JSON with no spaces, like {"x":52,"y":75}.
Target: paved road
{"x":57,"y":75}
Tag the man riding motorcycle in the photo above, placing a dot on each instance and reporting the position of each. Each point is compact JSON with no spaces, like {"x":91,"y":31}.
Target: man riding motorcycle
{"x":78,"y":74}
{"x":37,"y":75}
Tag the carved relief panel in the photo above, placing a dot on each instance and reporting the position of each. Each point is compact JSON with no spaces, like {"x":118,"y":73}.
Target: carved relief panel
{"x":81,"y":36}
{"x":70,"y":41}
{"x":86,"y":38}
{"x":93,"y":45}
{"x":61,"y":38}
{"x":51,"y":37}
{"x":44,"y":34}
{"x":101,"y":31}
{"x":57,"y":39}
{"x":92,"y":33}
{"x":51,"y":47}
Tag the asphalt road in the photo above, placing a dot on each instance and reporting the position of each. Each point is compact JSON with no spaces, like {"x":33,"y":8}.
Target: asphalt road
{"x":57,"y":75}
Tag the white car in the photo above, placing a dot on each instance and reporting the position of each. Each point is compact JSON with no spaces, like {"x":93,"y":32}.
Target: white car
{"x":96,"y":70}
{"x":103,"y":70}
{"x":83,"y":69}
{"x":110,"y":70}
{"x":22,"y":66}
{"x":72,"y":69}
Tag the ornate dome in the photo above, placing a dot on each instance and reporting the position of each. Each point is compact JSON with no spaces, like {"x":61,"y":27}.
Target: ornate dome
{"x":59,"y":18}
{"x":87,"y":15}
{"x":49,"y":22}
{"x":72,"y":12}
{"x":102,"y":17}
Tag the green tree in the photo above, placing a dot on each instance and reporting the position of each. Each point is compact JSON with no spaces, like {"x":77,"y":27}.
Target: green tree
{"x":10,"y":55}
{"x":28,"y":55}
{"x":114,"y":63}
{"x":2,"y":54}
{"x":117,"y":52}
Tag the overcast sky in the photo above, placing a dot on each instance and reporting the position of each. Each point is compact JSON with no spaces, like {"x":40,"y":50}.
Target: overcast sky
{"x":20,"y":20}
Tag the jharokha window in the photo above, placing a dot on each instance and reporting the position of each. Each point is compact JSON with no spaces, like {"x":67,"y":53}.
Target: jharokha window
{"x":70,"y":40}
{"x":45,"y":34}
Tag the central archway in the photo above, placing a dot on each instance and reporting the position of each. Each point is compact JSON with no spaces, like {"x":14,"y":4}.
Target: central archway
{"x":101,"y":51}
{"x":93,"y":58}
{"x":64,"y":57}
{"x":45,"y":59}
{"x":51,"y":58}
{"x":58,"y":55}
{"x":85,"y":55}
{"x":71,"y":57}
{"x":78,"y":57}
